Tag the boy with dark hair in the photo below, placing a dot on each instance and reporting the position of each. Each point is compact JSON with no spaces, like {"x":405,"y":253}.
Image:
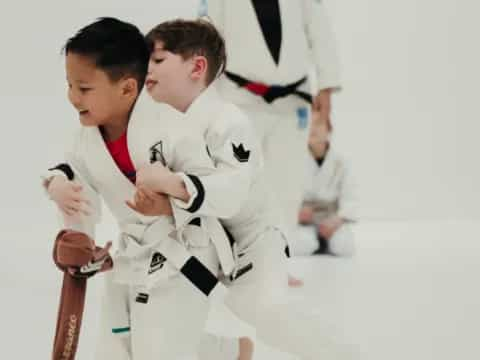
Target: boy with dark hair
{"x":158,"y":260}
{"x":180,"y":74}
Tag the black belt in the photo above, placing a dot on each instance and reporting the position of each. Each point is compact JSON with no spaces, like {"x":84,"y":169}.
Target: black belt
{"x":270,"y":93}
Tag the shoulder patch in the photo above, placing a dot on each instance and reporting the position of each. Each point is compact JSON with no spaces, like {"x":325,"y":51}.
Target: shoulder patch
{"x":240,"y":153}
{"x":156,"y":153}
{"x":302,"y":118}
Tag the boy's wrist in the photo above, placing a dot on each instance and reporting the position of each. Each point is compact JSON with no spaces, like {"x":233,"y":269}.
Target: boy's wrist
{"x":47,"y":179}
{"x":177,"y":188}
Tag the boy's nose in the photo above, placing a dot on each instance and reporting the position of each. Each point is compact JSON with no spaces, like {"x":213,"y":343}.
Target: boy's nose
{"x":75,"y":100}
{"x":149,"y":70}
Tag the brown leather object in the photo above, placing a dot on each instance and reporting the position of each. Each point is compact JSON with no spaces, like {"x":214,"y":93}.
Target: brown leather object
{"x":76,"y":255}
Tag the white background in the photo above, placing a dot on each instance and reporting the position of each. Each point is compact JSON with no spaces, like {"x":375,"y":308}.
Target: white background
{"x":406,"y":118}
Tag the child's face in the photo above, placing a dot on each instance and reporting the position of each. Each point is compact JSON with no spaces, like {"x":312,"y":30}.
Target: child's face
{"x":168,"y":76}
{"x":97,"y":99}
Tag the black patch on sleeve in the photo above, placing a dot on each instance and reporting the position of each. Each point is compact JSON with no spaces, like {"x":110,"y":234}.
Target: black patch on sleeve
{"x":198,"y":201}
{"x":66,"y":169}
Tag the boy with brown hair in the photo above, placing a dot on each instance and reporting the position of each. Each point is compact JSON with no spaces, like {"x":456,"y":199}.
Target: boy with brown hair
{"x":186,"y":56}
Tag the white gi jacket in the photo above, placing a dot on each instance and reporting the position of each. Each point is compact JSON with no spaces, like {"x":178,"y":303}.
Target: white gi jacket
{"x":306,"y":39}
{"x":330,"y":188}
{"x":94,"y":167}
{"x":238,"y":195}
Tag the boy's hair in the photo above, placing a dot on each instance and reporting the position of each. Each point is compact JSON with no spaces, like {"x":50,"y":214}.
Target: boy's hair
{"x":116,"y":47}
{"x":192,"y":37}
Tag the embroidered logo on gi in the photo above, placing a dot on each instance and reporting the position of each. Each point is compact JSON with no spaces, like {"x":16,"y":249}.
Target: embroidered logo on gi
{"x":302,"y":118}
{"x":142,"y":298}
{"x":157,"y":262}
{"x":71,"y":333}
{"x":156,"y":154}
{"x":240,"y":153}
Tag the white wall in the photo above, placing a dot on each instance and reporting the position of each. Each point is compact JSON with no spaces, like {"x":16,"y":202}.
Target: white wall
{"x":406,"y":117}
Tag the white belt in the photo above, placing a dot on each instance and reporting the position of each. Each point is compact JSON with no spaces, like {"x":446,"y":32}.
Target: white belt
{"x":221,"y":243}
{"x":145,"y":249}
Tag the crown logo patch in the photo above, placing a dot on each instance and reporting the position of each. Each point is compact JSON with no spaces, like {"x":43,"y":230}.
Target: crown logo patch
{"x":240,"y":153}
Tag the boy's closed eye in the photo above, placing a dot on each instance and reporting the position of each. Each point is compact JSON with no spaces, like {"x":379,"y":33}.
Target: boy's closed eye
{"x":158,"y":60}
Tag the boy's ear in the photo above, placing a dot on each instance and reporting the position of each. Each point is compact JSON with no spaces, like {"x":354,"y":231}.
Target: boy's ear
{"x":129,"y":87}
{"x":200,"y":66}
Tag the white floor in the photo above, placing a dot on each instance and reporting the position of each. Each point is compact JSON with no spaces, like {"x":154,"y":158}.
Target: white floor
{"x":411,"y":292}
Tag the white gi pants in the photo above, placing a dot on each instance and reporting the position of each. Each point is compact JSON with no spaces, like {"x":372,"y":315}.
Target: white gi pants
{"x":259,"y":298}
{"x":169,"y":326}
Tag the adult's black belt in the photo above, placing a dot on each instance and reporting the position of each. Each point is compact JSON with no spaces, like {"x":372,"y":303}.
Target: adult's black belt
{"x":270,"y":93}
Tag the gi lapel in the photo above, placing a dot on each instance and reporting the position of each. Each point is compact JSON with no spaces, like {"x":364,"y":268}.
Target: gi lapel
{"x":268,"y":15}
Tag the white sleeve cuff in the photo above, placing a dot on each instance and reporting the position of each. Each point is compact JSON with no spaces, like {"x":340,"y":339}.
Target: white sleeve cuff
{"x":191,"y":190}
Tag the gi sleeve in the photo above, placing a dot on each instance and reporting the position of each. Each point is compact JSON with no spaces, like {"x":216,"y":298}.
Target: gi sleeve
{"x":322,"y":43}
{"x":74,"y":169}
{"x":232,"y":148}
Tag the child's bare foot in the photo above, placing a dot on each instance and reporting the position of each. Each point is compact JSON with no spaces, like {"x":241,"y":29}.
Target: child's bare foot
{"x":245,"y":349}
{"x":294,"y":282}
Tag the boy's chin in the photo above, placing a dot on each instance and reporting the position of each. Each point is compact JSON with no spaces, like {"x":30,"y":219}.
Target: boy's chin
{"x":87,"y":122}
{"x":156,"y":97}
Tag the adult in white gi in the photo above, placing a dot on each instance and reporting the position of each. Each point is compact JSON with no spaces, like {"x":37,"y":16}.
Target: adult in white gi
{"x":274,"y":42}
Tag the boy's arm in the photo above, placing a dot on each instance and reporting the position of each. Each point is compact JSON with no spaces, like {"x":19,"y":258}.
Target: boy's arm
{"x":235,"y":154}
{"x":69,"y":185}
{"x":219,"y":189}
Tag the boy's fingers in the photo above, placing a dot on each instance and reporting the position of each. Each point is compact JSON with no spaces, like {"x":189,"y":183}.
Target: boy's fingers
{"x":136,"y":197}
{"x":66,"y":211}
{"x":144,"y":195}
{"x":85,"y":210}
{"x":80,"y":206}
{"x":77,"y":187}
{"x":73,"y":208}
{"x":151,"y":195}
{"x":141,"y":194}
{"x":131,"y":205}
{"x":78,"y":197}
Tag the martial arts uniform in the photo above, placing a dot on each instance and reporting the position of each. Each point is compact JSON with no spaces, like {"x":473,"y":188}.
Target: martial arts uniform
{"x":237,"y":194}
{"x":275,"y":42}
{"x":171,"y":323}
{"x":330,"y":190}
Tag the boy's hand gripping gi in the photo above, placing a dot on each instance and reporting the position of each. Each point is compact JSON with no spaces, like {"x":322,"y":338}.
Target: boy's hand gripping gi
{"x":76,"y":255}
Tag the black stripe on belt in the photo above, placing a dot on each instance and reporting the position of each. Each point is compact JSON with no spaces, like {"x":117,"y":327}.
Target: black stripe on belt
{"x":270,"y":93}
